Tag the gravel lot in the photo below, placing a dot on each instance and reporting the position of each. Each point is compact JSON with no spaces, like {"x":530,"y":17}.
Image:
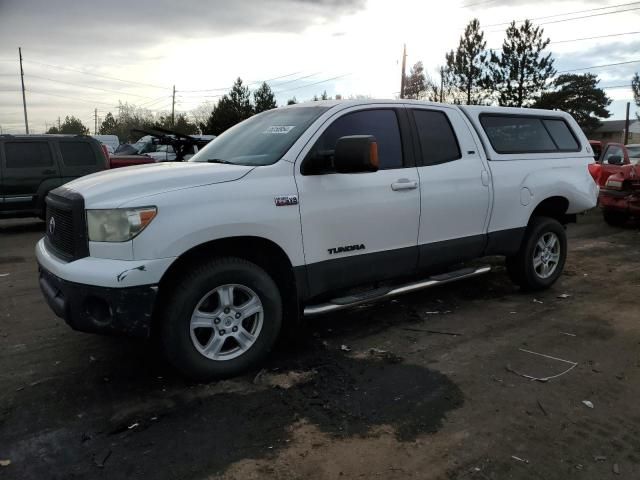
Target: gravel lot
{"x":425,"y":386}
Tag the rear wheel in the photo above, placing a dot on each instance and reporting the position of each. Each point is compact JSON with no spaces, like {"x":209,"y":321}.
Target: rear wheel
{"x":542,"y":255}
{"x":222,"y":319}
{"x":615,"y":218}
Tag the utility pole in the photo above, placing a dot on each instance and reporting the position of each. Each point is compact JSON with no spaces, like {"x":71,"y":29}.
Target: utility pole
{"x":58,"y":124}
{"x":95,"y":121}
{"x":24,"y":99}
{"x":626,"y":125}
{"x":441,"y":84}
{"x":173,"y":107}
{"x":404,"y":66}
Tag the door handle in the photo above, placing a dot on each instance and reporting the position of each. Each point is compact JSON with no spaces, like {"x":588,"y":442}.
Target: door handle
{"x":404,"y":184}
{"x":484,"y":176}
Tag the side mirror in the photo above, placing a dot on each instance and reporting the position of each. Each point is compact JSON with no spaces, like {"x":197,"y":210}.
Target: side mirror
{"x":355,"y":154}
{"x":614,"y":160}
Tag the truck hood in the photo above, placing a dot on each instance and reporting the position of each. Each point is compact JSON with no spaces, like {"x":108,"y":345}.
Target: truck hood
{"x":112,"y":188}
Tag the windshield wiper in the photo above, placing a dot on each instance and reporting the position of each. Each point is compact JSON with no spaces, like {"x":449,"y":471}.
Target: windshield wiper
{"x":219,"y":160}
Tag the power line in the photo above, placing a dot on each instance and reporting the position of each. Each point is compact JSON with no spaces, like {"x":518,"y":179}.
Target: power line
{"x":69,"y":98}
{"x":315,"y":83}
{"x":571,"y":13}
{"x":86,"y":86}
{"x":600,"y":66}
{"x":97,"y":75}
{"x":228,"y":88}
{"x":593,"y":38}
{"x":580,"y":39}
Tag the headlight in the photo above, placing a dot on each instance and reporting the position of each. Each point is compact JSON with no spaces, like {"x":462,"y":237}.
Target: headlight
{"x":614,"y":184}
{"x":119,"y":224}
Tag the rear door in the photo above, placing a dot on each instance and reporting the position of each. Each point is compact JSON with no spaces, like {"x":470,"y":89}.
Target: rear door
{"x":27,"y":166}
{"x":454,"y":188}
{"x":80,"y":156}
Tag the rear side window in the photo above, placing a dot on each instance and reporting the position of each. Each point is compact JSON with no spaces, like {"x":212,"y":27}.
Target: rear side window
{"x":527,"y":134}
{"x":382,"y":124}
{"x":27,"y":154}
{"x":77,"y":154}
{"x":437,"y":139}
{"x":561,"y":135}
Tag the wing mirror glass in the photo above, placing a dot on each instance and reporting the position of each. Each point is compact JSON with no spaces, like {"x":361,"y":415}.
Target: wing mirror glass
{"x":356,"y":154}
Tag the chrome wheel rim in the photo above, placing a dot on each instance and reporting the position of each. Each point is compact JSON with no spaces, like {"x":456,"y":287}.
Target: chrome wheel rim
{"x":546,"y":255}
{"x":226,"y":322}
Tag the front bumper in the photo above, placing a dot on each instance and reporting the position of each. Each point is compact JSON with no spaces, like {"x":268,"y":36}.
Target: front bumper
{"x":101,"y":295}
{"x":105,"y":310}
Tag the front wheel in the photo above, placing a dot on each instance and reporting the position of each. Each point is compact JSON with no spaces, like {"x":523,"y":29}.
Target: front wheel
{"x":221,"y":319}
{"x":542,"y":255}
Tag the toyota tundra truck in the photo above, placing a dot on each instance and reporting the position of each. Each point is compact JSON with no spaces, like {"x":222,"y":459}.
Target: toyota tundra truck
{"x":310,"y":209}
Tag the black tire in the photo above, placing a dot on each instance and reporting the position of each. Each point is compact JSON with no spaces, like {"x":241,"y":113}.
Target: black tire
{"x":615,"y":218}
{"x":189,"y":290}
{"x":521,"y":268}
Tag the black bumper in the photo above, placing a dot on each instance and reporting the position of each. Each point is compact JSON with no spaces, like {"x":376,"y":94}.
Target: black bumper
{"x":104,"y":310}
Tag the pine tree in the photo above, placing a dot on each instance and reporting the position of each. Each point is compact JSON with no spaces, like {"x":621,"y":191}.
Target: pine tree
{"x":580,"y":96}
{"x":467,"y":66}
{"x":232,"y":108}
{"x":70,"y":126}
{"x":109,"y":125}
{"x":264,"y":98}
{"x":292,"y":101}
{"x":415,"y":84}
{"x":520,"y":73}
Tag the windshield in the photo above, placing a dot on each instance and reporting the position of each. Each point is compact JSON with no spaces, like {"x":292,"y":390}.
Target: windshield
{"x":634,"y":154}
{"x":262,"y":139}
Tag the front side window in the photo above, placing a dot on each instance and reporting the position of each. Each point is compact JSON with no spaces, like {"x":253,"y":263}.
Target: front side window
{"x":382,"y":124}
{"x":613,"y":151}
{"x":437,"y":138}
{"x":77,"y":154}
{"x":27,"y":154}
{"x":528,"y":134}
{"x":262,"y":139}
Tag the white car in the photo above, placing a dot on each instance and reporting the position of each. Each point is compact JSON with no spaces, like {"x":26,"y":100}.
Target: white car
{"x":310,"y":209}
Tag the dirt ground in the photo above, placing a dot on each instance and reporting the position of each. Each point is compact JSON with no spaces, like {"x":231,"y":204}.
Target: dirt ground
{"x":425,"y":386}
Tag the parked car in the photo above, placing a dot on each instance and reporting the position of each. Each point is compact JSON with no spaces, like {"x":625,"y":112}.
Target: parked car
{"x":311,"y":209}
{"x":596,"y":147}
{"x":32,"y":165}
{"x":111,"y":141}
{"x":619,"y":180}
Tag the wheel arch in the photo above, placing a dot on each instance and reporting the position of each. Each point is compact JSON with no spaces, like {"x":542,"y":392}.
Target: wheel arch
{"x":263,"y":252}
{"x":554,"y":207}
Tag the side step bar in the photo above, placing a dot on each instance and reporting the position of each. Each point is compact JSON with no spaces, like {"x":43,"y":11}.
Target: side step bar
{"x":387,"y":292}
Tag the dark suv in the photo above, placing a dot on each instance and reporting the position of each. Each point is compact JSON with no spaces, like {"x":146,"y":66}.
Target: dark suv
{"x":32,"y":165}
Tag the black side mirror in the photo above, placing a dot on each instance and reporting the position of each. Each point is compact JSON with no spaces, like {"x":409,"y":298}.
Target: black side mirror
{"x":614,"y":160}
{"x":356,"y":154}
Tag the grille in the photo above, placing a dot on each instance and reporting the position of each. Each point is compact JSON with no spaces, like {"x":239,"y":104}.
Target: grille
{"x":66,"y":225}
{"x":60,"y":230}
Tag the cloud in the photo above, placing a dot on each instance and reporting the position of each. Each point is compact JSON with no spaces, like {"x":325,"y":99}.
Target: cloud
{"x":120,"y":28}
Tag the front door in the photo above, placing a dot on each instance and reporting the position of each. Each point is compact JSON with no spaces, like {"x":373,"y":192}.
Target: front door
{"x":362,"y":227}
{"x":613,"y":159}
{"x":454,"y":188}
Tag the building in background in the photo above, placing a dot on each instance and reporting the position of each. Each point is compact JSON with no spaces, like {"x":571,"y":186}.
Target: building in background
{"x":613,"y":131}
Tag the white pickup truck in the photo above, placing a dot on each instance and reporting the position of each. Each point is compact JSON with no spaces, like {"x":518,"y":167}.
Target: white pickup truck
{"x":309,"y":209}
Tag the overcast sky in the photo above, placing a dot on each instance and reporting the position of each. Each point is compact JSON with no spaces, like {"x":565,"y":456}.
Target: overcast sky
{"x":79,"y":56}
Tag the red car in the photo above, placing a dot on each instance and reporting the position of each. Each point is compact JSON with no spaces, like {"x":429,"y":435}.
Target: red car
{"x":618,"y":175}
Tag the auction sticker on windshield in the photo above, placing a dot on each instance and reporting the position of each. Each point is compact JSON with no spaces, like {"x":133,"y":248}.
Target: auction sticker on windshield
{"x":279,"y":129}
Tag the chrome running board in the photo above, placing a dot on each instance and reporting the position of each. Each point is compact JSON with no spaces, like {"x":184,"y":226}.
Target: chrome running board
{"x":387,"y":292}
